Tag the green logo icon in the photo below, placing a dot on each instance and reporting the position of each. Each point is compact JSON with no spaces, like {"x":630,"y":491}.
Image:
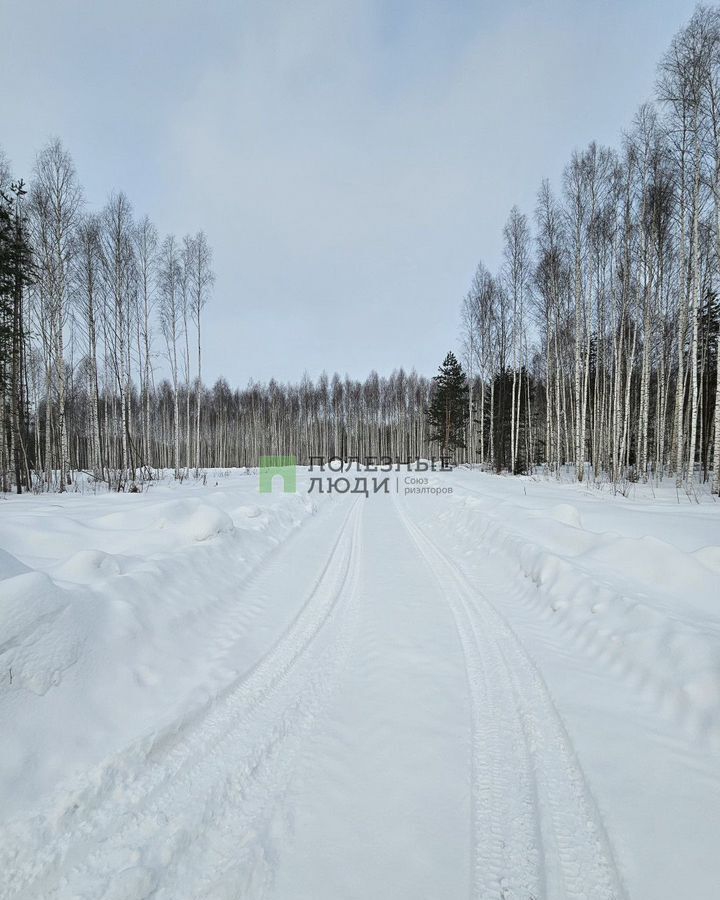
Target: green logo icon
{"x":284,"y":466}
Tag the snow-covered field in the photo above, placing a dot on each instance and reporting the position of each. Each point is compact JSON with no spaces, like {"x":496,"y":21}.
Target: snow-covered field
{"x":507,"y":691}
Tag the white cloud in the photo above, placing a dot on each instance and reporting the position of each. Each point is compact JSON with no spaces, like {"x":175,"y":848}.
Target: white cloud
{"x":351,"y":162}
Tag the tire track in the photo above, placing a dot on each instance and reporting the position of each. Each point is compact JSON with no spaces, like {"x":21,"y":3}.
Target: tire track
{"x":536,"y":830}
{"x":207,"y":802}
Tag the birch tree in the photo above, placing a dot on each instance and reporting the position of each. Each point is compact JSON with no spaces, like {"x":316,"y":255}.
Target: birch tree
{"x":171,"y":322}
{"x":202,"y":280}
{"x":55,"y":208}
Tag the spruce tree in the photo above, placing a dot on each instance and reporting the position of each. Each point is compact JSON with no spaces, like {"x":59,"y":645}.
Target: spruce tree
{"x":14,"y":276}
{"x":448,"y":410}
{"x":6,"y":343}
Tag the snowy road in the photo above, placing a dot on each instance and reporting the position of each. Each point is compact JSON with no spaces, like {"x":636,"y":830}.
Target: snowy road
{"x":375,"y":715}
{"x":443,"y":731}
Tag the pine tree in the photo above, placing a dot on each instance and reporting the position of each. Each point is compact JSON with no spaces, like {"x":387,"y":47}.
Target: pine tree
{"x":448,"y":411}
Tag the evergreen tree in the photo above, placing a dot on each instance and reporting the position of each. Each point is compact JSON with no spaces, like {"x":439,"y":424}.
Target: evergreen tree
{"x":6,"y":294}
{"x":14,"y":276}
{"x":6,"y":339}
{"x":448,"y":410}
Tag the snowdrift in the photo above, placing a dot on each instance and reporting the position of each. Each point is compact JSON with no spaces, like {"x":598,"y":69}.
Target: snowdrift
{"x":110,"y":610}
{"x":632,"y":583}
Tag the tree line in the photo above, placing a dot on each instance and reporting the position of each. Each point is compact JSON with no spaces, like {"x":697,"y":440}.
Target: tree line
{"x":594,"y":346}
{"x":596,"y":343}
{"x":88,"y":301}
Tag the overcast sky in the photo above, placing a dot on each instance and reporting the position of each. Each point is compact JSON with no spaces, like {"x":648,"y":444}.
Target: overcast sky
{"x":351,"y":162}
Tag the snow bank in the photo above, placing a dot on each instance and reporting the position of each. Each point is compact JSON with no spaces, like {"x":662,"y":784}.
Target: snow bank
{"x":632,"y":583}
{"x":196,"y":521}
{"x":9,"y":565}
{"x":36,"y":645}
{"x":114,"y":609}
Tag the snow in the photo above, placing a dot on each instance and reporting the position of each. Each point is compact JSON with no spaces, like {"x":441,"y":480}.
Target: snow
{"x":124,"y":594}
{"x":510,"y":690}
{"x":633,"y":583}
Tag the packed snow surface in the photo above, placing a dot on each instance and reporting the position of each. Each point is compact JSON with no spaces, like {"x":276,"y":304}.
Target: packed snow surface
{"x":503,"y":688}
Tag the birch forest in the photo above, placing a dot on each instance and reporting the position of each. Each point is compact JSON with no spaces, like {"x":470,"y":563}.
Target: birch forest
{"x":593,"y":349}
{"x":91,"y":302}
{"x":595,"y":346}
